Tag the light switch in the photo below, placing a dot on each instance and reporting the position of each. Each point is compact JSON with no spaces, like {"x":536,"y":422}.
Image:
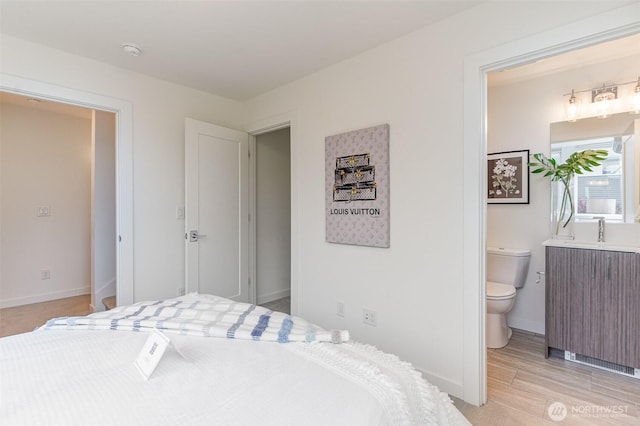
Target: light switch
{"x":180,"y":212}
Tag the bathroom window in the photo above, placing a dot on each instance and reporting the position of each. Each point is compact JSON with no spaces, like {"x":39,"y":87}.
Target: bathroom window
{"x":600,"y":192}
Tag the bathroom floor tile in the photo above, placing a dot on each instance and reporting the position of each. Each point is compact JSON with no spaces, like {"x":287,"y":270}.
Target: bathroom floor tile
{"x":524,"y":387}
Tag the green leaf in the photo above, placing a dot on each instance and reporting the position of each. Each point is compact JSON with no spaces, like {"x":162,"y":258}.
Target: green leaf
{"x":577,"y":163}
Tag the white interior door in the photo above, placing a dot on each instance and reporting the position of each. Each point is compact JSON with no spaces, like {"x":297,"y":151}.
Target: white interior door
{"x":217,"y":215}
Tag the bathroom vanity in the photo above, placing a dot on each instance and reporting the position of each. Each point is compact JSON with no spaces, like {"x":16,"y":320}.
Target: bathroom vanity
{"x":593,"y":301}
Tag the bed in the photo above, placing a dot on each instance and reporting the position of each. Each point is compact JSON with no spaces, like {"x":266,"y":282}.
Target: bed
{"x":226,"y":363}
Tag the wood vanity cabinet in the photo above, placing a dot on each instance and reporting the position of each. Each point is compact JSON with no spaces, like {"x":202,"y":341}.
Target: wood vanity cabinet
{"x":593,"y":303}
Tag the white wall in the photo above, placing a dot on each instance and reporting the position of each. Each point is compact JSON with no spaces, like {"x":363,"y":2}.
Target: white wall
{"x":414,"y":84}
{"x":103,"y":200}
{"x":159,"y":110}
{"x":525,"y":124}
{"x":46,"y":161}
{"x":273,"y":215}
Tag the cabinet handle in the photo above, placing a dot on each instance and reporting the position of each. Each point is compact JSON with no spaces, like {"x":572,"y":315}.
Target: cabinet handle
{"x":609,"y":267}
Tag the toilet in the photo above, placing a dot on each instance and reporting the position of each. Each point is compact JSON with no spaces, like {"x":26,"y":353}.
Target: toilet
{"x":506,"y":271}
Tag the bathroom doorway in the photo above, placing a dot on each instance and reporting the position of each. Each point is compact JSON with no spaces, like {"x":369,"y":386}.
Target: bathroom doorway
{"x":477,"y":66}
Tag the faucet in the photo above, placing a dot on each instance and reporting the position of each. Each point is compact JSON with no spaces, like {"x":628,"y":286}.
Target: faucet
{"x":600,"y":228}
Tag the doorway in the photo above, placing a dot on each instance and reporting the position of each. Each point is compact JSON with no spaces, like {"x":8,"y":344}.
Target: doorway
{"x":124,"y":163}
{"x":58,"y":199}
{"x":604,"y":27}
{"x":272,"y":225}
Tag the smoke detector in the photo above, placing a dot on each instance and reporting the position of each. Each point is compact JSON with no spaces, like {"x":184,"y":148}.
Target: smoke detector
{"x":131,"y":49}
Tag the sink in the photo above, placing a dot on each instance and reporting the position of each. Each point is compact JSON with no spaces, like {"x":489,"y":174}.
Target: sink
{"x":592,"y":245}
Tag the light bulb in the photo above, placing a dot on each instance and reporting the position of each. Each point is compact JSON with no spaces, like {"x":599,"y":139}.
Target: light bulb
{"x":635,"y":99}
{"x":603,"y":99}
{"x":603,"y":108}
{"x":572,"y":108}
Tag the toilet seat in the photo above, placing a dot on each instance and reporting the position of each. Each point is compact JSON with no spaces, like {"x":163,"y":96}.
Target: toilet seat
{"x":499,"y":291}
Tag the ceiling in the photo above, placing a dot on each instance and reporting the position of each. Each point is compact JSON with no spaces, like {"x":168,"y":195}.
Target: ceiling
{"x":237,"y":49}
{"x":44,"y":105}
{"x":596,"y":54}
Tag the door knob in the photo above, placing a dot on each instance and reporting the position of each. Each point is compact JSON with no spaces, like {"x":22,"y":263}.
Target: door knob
{"x":194,"y":236}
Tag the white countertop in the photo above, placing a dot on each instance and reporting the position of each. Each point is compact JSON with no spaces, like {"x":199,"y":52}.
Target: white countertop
{"x":592,"y":245}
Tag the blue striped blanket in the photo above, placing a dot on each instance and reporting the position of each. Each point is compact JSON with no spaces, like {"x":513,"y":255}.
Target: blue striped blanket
{"x":203,"y":315}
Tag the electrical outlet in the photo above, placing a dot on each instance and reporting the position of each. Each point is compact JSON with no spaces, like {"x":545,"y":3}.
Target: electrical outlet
{"x":180,"y":291}
{"x":370,"y":317}
{"x":45,"y":274}
{"x":340,"y":309}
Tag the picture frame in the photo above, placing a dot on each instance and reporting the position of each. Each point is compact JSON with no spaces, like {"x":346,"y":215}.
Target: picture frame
{"x":508,"y":177}
{"x":357,"y":198}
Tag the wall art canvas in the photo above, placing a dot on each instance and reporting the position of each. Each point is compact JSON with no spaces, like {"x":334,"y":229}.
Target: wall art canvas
{"x":508,"y":177}
{"x":357,"y":187}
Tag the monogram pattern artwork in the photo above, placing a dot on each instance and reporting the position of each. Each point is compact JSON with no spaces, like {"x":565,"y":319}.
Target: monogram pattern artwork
{"x":357,"y":187}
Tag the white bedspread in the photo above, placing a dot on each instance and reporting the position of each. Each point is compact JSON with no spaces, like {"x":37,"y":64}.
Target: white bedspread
{"x":88,"y":377}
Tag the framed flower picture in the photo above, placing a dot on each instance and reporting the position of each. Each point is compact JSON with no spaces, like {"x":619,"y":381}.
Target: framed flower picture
{"x":508,"y":177}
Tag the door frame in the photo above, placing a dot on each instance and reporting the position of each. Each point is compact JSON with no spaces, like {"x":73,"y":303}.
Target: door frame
{"x":603,"y":27}
{"x":124,"y":163}
{"x":255,"y":129}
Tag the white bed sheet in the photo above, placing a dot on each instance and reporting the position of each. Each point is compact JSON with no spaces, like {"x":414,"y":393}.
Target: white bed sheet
{"x":88,"y":377}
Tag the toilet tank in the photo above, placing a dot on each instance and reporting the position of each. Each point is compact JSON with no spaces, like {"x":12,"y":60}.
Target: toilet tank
{"x":508,"y":265}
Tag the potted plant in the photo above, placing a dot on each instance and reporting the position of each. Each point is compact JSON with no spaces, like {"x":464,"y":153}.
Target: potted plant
{"x":561,"y":176}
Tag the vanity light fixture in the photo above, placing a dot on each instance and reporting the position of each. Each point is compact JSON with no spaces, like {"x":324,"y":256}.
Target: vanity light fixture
{"x":604,"y":100}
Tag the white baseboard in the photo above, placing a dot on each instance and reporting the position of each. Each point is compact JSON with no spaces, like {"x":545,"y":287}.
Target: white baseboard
{"x":44,"y":297}
{"x":106,"y":290}
{"x":270,"y":297}
{"x":108,"y":287}
{"x":526,"y":325}
{"x":444,"y":384}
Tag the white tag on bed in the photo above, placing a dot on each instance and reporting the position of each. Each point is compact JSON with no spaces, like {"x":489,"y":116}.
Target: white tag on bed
{"x":151,"y":353}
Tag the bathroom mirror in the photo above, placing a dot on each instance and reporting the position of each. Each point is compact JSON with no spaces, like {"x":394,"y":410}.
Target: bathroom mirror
{"x":612,"y":190}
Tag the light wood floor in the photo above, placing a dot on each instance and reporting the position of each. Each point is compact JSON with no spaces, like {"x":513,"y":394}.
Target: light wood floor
{"x":22,"y":319}
{"x":522,"y":385}
{"x":280,"y":305}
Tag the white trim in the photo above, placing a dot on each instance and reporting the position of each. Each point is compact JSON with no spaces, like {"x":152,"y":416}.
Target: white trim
{"x":106,"y":290}
{"x":597,"y":29}
{"x":124,"y":156}
{"x":106,"y":286}
{"x":45,"y":297}
{"x":257,"y":128}
{"x":445,"y":384}
{"x":270,"y":124}
{"x":253,"y":230}
{"x":527,"y":325}
{"x":266,"y":298}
